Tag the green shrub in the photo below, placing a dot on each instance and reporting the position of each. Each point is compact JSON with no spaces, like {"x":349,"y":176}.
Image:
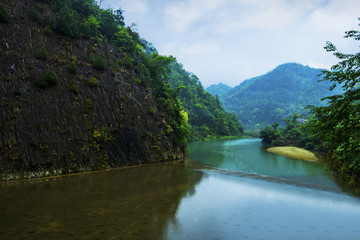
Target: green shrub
{"x":46,"y":80}
{"x":93,"y":82}
{"x":88,"y":105}
{"x":138,"y":80}
{"x":74,"y":89}
{"x":42,"y":54}
{"x":67,"y":22}
{"x":47,"y":20}
{"x":34,"y":15}
{"x":309,"y":146}
{"x":4,"y":14}
{"x":127,"y":61}
{"x":152,"y":110}
{"x":72,"y":68}
{"x":99,"y":62}
{"x":47,"y":30}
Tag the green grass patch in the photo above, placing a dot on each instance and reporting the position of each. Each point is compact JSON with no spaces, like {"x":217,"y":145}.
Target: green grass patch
{"x":98,"y":62}
{"x":93,"y":82}
{"x":294,"y":152}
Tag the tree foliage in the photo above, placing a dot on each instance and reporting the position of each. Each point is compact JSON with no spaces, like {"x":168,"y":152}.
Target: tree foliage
{"x":206,"y":113}
{"x":294,"y":133}
{"x":338,"y":124}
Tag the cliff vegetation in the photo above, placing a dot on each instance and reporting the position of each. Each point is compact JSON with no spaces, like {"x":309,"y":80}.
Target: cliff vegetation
{"x":79,"y":92}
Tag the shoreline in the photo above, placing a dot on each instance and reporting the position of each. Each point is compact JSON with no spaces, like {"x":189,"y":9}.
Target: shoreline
{"x":45,"y":175}
{"x":294,"y":152}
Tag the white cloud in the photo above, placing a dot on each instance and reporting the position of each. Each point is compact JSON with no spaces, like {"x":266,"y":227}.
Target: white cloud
{"x":232,"y":40}
{"x":181,"y":15}
{"x":335,"y":16}
{"x":201,"y":48}
{"x":198,"y":48}
{"x":266,"y":15}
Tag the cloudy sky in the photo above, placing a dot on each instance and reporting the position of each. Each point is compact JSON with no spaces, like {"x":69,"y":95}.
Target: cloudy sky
{"x":230,"y":41}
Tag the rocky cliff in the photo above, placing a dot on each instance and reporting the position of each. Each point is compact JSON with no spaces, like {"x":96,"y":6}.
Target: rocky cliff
{"x":68,"y":106}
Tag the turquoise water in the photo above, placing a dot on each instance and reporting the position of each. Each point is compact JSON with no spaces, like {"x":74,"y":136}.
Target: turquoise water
{"x":248,"y":157}
{"x":226,"y":190}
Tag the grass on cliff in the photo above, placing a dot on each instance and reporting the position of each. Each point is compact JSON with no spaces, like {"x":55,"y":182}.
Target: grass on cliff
{"x":294,"y":152}
{"x":4,"y":14}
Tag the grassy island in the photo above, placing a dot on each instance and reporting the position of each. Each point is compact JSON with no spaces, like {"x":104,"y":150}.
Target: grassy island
{"x":294,"y":152}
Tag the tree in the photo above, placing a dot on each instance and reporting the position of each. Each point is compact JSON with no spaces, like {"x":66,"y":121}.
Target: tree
{"x":110,"y":21}
{"x":338,"y":124}
{"x":67,"y":21}
{"x":124,"y":41}
{"x":92,"y":25}
{"x":84,"y":7}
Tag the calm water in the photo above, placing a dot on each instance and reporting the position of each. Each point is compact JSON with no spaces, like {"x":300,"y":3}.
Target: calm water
{"x":229,"y":190}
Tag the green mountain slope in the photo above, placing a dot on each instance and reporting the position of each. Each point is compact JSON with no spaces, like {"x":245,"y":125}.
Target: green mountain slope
{"x":206,"y":113}
{"x":276,"y":95}
{"x":218,"y":89}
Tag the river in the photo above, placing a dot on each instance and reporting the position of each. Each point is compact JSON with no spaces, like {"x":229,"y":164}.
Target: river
{"x":225,"y":190}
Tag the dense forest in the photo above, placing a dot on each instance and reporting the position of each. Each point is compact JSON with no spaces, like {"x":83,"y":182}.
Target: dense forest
{"x":270,"y":98}
{"x":333,"y":129}
{"x":207,"y":116}
{"x":218,"y":89}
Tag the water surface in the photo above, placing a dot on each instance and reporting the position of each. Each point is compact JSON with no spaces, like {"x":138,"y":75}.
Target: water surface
{"x":248,"y":157}
{"x":230,"y":190}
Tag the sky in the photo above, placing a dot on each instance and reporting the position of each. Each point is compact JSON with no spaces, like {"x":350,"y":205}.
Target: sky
{"x":230,"y":41}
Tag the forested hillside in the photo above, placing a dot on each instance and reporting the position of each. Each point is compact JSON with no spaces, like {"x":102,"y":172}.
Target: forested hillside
{"x":207,"y":116}
{"x":277,"y":95}
{"x":333,"y":129}
{"x":78,"y":92}
{"x":218,"y":89}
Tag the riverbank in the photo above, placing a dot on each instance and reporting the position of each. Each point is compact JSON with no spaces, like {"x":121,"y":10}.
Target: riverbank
{"x":44,"y":175}
{"x":215,"y":138}
{"x":294,"y":152}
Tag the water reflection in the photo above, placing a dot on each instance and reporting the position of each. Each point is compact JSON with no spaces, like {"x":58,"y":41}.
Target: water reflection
{"x":278,"y":198}
{"x":229,"y":207}
{"x":127,"y":204}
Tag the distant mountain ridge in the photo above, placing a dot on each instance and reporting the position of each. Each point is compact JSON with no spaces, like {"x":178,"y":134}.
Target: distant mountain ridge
{"x":276,"y":95}
{"x":218,"y":89}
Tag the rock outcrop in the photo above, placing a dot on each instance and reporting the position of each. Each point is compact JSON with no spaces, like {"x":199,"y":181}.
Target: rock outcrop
{"x":84,"y":117}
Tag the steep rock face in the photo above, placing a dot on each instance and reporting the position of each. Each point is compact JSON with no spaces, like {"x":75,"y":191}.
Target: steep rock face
{"x":74,"y":124}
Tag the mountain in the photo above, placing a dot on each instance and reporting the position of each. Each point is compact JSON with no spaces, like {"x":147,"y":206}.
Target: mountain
{"x":218,"y":89}
{"x":78,"y":93}
{"x":207,"y":116}
{"x":277,"y":95}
